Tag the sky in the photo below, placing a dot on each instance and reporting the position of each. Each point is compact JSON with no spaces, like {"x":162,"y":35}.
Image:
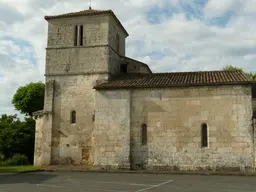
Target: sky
{"x":168,"y":35}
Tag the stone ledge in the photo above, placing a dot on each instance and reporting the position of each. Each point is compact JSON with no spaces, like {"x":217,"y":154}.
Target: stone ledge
{"x":41,"y":113}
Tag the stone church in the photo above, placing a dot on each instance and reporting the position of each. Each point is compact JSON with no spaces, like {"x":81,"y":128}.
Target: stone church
{"x":105,"y":110}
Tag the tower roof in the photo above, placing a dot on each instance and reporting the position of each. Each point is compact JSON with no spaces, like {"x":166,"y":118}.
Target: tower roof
{"x":87,"y":12}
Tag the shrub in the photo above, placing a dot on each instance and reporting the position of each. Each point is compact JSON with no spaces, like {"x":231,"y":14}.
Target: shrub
{"x":7,"y":162}
{"x":17,"y":159}
{"x":2,"y":157}
{"x":17,"y":136}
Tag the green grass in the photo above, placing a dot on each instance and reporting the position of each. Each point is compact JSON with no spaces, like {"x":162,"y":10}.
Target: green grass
{"x":16,"y":169}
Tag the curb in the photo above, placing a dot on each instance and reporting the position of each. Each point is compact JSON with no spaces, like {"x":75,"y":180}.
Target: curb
{"x":154,"y":172}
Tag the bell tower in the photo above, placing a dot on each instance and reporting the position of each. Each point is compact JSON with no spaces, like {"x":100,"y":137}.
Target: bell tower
{"x":84,"y":42}
{"x":83,"y":48}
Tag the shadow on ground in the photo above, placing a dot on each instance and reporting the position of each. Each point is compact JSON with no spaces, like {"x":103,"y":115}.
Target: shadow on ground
{"x":25,"y":178}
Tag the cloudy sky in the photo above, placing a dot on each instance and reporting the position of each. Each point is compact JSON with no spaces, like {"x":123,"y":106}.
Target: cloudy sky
{"x":169,"y":35}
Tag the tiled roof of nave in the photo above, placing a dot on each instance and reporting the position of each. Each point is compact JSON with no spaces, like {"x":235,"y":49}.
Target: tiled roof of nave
{"x":176,"y":79}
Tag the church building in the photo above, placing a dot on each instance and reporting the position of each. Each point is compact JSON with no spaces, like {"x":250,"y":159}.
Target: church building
{"x":105,"y":110}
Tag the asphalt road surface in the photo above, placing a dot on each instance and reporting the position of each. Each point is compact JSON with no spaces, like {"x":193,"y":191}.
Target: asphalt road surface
{"x":123,"y":182}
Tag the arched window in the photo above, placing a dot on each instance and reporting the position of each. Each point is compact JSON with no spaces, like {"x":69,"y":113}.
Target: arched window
{"x":144,"y":134}
{"x":204,"y":135}
{"x":81,"y":34}
{"x":73,"y":117}
{"x":75,"y":35}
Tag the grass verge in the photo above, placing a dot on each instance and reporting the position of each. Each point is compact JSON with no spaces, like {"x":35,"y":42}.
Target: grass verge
{"x":17,"y":169}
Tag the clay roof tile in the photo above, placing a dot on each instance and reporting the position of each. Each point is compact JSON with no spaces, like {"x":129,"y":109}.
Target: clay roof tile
{"x":176,"y":79}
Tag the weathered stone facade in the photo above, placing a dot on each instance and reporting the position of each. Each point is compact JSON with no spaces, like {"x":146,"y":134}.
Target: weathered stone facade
{"x":174,"y":117}
{"x":108,"y":132}
{"x":71,"y":73}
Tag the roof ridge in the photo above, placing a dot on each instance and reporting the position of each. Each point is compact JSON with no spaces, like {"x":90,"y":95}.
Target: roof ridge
{"x":210,"y":71}
{"x":189,"y":72}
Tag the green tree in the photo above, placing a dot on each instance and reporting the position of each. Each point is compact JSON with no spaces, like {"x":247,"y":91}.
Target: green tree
{"x":251,"y":75}
{"x":232,"y":68}
{"x":29,"y":98}
{"x":17,"y":137}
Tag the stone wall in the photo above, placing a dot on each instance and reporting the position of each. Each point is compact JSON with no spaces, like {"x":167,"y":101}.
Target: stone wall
{"x":174,"y":117}
{"x":115,"y":29}
{"x":61,"y":31}
{"x":114,"y":62}
{"x":38,"y":141}
{"x":96,"y":53}
{"x":77,"y":60}
{"x":75,"y":70}
{"x":44,"y":126}
{"x":112,"y":129}
{"x":72,"y":143}
{"x":43,"y":138}
{"x":135,"y":66}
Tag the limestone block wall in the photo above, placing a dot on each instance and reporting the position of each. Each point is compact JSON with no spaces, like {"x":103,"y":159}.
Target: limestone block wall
{"x":43,"y":130}
{"x":174,"y":117}
{"x":61,"y":32}
{"x":98,"y":54}
{"x":77,"y":60}
{"x":135,"y":66}
{"x":38,"y":142}
{"x":43,"y":138}
{"x":115,"y":29}
{"x":76,"y":70}
{"x":72,"y":143}
{"x":114,"y":62}
{"x":112,"y":129}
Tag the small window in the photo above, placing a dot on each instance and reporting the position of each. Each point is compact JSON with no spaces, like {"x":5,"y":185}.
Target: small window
{"x":204,"y":135}
{"x":81,"y":34}
{"x":73,"y":117}
{"x":117,"y":43}
{"x":123,"y":68}
{"x":75,"y":36}
{"x":144,"y":134}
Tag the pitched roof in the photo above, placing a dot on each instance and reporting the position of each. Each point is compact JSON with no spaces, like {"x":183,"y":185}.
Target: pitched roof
{"x":176,"y":79}
{"x":85,"y":13}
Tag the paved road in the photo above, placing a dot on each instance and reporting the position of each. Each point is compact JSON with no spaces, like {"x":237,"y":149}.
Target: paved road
{"x":122,"y":182}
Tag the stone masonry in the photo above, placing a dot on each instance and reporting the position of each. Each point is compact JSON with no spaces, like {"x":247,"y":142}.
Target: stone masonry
{"x":74,"y":71}
{"x":174,"y":118}
{"x":107,"y":132}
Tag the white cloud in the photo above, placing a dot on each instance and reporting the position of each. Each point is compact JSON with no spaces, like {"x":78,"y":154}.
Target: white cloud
{"x":16,"y":70}
{"x":216,"y":8}
{"x":186,"y":44}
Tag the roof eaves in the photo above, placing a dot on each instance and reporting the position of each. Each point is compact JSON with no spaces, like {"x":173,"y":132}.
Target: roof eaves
{"x":174,"y":85}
